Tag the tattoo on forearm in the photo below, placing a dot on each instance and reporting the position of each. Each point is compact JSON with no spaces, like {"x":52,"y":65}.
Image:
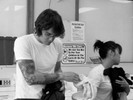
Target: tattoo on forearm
{"x":50,"y":78}
{"x":32,"y":76}
{"x":28,"y":70}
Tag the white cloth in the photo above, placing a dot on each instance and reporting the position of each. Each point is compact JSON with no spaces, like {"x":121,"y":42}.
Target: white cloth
{"x":44,"y":57}
{"x":85,"y":87}
{"x":101,"y":84}
{"x":69,"y":90}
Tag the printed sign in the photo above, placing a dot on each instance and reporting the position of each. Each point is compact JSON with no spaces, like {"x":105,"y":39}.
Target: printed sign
{"x":74,"y":53}
{"x":77,"y":31}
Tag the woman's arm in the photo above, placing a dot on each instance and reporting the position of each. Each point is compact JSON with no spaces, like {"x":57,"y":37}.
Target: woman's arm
{"x":123,"y":96}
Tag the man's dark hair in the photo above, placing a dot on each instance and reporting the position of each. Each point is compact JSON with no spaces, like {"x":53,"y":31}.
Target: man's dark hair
{"x":49,"y":19}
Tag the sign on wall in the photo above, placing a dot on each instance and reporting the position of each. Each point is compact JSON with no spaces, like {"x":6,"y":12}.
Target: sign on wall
{"x":77,"y":31}
{"x":74,"y":53}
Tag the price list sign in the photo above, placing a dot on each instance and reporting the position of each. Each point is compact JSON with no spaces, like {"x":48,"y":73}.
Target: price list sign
{"x":74,"y":53}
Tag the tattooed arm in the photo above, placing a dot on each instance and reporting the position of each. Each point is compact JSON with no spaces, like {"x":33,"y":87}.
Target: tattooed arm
{"x":33,"y":77}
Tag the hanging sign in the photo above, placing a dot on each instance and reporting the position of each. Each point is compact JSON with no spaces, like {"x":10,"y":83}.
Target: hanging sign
{"x":77,"y":31}
{"x":74,"y":53}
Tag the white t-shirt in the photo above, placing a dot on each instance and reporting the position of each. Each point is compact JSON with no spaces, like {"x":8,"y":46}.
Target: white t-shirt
{"x":102,"y":85}
{"x":44,"y":57}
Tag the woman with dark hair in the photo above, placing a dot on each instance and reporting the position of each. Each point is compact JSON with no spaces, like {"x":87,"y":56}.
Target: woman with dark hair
{"x":38,"y":57}
{"x":110,"y":55}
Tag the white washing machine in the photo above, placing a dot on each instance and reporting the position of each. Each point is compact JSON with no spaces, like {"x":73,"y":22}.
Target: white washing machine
{"x":7,"y":89}
{"x":7,"y":82}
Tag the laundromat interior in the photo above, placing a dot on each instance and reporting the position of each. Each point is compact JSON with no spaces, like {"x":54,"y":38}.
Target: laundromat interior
{"x":85,"y":21}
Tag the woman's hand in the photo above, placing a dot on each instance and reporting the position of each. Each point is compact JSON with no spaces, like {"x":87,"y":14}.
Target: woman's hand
{"x":124,"y":84}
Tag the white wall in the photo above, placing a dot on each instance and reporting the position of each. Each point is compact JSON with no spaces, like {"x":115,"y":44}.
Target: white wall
{"x":107,"y":20}
{"x":66,"y":8}
{"x":12,"y":17}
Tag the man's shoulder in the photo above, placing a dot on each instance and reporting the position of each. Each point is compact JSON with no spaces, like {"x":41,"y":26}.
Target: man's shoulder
{"x":24,"y":37}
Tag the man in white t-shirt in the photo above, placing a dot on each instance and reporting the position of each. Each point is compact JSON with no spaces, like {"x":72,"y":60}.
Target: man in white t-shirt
{"x":38,"y":57}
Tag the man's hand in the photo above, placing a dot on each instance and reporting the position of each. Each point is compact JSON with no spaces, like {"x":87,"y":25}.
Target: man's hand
{"x":70,"y":77}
